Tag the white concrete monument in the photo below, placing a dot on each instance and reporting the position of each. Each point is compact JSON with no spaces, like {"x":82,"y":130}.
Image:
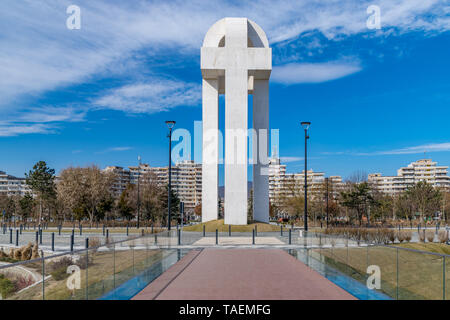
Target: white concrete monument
{"x":236,"y":61}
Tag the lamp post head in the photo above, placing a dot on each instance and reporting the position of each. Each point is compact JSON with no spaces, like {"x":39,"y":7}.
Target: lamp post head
{"x":170,"y":124}
{"x":305,"y":125}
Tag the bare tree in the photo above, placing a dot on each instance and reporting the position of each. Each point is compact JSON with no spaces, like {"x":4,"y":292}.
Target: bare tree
{"x":84,"y":188}
{"x":357,"y":176}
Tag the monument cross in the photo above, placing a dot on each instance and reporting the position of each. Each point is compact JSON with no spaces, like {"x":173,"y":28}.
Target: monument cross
{"x":235,"y":60}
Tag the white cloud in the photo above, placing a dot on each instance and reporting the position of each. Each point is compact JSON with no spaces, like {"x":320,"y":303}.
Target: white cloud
{"x":11,"y":129}
{"x":42,"y":120}
{"x":150,"y":97}
{"x":313,"y":72}
{"x":39,"y":53}
{"x":115,"y":149}
{"x":432,"y":147}
{"x":290,"y":159}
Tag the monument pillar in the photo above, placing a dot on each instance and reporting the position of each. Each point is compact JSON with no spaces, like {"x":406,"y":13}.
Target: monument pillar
{"x":260,"y":152}
{"x":236,"y":61}
{"x":210,"y":157}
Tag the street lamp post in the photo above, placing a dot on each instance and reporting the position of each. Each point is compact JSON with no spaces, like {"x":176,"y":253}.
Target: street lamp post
{"x":138,"y":193}
{"x":305,"y":126}
{"x":326,"y":179}
{"x":170,"y":125}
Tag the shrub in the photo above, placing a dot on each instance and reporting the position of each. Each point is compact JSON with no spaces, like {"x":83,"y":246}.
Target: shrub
{"x":22,"y":282}
{"x":94,"y":242}
{"x":81,"y":262}
{"x":390,"y":236}
{"x":442,"y":236}
{"x":429,"y":235}
{"x":6,"y":286}
{"x":408,"y":235}
{"x":62,"y":262}
{"x":59,"y":274}
{"x":422,"y":236}
{"x":400,"y":236}
{"x":26,"y":251}
{"x":35,"y":251}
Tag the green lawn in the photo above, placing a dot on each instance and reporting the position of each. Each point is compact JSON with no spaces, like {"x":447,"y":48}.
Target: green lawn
{"x":211,"y":226}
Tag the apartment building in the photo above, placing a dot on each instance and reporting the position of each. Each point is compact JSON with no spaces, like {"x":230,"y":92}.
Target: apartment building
{"x":421,"y":170}
{"x":283,"y":184}
{"x":186,"y":180}
{"x":122,"y":179}
{"x":11,"y":186}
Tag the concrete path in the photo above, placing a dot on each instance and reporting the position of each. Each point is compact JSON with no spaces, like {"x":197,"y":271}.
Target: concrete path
{"x":210,"y":241}
{"x":241,"y":274}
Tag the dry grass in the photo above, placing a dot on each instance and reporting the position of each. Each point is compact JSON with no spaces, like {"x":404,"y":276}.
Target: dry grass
{"x":211,"y":226}
{"x":420,"y":275}
{"x":107,"y":270}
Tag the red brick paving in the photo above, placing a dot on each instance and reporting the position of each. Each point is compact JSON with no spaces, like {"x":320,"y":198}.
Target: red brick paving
{"x":241,"y":274}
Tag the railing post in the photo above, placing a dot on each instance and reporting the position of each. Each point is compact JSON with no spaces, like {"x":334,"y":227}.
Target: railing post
{"x":71,"y":242}
{"x":53,"y":241}
{"x":107,"y":233}
{"x":114,"y":266}
{"x":40,"y":237}
{"x":397,"y":275}
{"x":281,"y":230}
{"x":217,"y":237}
{"x":204,"y":230}
{"x":290,"y":236}
{"x":103,"y":230}
{"x":37,"y":236}
{"x":229,"y":230}
{"x":443,"y":278}
{"x":87,"y":268}
{"x":81,"y":230}
{"x":10,"y":236}
{"x":253,"y":236}
{"x":127,"y":230}
{"x":17,"y":238}
{"x":43,"y":275}
{"x":156,"y":238}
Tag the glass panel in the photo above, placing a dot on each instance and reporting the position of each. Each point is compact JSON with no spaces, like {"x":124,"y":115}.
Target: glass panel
{"x":65,"y":277}
{"x":420,"y":275}
{"x":386,"y":259}
{"x":101,"y":271}
{"x":447,"y":278}
{"x":22,"y":282}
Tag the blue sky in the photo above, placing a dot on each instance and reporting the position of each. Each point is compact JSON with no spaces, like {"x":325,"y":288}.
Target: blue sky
{"x":377,"y":99}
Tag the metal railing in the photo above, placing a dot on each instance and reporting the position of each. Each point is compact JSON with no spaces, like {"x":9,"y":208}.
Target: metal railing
{"x":115,"y":270}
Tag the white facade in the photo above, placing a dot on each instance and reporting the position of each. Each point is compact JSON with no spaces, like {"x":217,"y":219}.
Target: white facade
{"x":236,"y":61}
{"x":421,"y":170}
{"x":11,"y":186}
{"x":284,"y":185}
{"x":186,"y":180}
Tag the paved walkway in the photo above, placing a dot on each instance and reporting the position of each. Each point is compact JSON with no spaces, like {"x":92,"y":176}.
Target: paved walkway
{"x":209,"y":241}
{"x":241,"y":274}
